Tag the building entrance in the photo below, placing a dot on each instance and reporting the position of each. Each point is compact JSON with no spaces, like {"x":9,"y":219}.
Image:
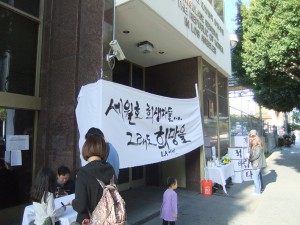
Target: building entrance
{"x":16,"y":156}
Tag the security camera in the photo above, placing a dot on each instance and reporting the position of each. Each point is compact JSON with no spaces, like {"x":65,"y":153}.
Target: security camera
{"x":116,"y":51}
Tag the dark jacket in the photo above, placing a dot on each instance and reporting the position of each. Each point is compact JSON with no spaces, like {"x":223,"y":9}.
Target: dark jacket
{"x":87,"y":189}
{"x":68,"y":187}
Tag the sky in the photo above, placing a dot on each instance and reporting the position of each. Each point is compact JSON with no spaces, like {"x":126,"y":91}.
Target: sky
{"x":230,"y":14}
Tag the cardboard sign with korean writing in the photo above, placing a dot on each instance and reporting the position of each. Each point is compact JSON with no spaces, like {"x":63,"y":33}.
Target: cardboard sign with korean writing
{"x":237,"y":164}
{"x":236,"y":153}
{"x":241,"y":141}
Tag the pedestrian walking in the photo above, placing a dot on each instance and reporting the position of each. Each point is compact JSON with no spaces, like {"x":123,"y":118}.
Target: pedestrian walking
{"x":293,"y":138}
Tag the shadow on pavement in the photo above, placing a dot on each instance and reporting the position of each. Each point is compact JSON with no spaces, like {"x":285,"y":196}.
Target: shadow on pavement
{"x":290,"y":156}
{"x":236,"y":208}
{"x":269,"y":177}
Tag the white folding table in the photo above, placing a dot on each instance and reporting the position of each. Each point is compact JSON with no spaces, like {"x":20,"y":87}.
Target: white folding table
{"x":67,"y":218}
{"x":219,"y":174}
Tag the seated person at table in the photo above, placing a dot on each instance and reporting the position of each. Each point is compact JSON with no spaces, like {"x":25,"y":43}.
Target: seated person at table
{"x":63,"y":185}
{"x":42,"y":196}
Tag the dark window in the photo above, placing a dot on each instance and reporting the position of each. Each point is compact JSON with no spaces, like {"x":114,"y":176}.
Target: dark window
{"x":209,"y":105}
{"x":18,"y":49}
{"x":137,"y":172}
{"x":137,"y":77}
{"x":123,"y":176}
{"x":121,"y":73}
{"x":28,"y":6}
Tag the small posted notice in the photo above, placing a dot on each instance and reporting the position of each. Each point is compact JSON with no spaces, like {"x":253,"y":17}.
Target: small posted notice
{"x":16,"y":158}
{"x":7,"y":156}
{"x":17,"y":142}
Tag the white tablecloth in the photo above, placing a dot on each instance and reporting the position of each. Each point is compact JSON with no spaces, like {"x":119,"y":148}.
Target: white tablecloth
{"x":219,"y":174}
{"x":67,"y":218}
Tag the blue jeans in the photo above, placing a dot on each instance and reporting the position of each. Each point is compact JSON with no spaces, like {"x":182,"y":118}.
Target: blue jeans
{"x":257,"y":181}
{"x":261,"y":180}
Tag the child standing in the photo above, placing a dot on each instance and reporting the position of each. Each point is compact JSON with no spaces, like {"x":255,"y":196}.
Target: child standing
{"x":168,"y":212}
{"x":42,"y":196}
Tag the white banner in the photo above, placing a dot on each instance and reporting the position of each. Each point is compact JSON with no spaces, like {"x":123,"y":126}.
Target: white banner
{"x":144,"y":128}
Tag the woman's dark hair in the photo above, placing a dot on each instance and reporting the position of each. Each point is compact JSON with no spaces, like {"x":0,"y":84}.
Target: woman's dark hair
{"x":171,"y":180}
{"x":94,"y":131}
{"x":94,"y":146}
{"x":43,"y":184}
{"x":63,"y":170}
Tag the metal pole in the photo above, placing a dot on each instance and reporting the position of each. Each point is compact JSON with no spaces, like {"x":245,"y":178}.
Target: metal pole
{"x":261,"y":121}
{"x":114,"y":20}
{"x":286,"y":122}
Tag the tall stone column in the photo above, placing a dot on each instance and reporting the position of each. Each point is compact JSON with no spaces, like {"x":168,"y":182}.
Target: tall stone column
{"x":75,"y":39}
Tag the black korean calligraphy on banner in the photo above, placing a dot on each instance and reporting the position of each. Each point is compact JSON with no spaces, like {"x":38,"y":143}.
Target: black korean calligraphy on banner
{"x":144,"y":128}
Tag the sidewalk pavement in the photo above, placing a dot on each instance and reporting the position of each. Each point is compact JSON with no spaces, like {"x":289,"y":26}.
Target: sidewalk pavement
{"x":277,"y":205}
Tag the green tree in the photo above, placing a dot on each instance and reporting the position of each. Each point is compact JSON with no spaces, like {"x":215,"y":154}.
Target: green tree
{"x":238,"y":70}
{"x":2,"y":114}
{"x":270,"y":52}
{"x":296,"y":116}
